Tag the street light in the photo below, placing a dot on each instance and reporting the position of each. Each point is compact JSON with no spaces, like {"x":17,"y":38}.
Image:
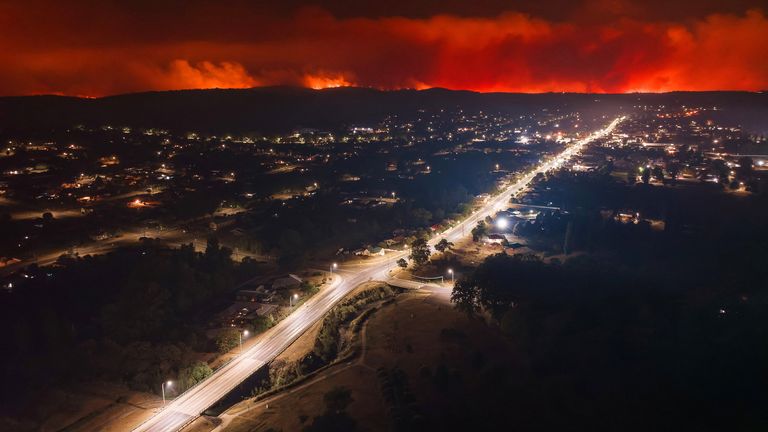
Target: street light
{"x":333,"y":267}
{"x":450,"y":272}
{"x":162,"y":389}
{"x":502,"y":223}
{"x":240,"y":335}
{"x":292,"y":298}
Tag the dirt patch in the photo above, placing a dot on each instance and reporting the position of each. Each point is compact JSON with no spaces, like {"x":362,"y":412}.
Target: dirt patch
{"x":471,"y":253}
{"x":295,"y":409}
{"x":418,"y":334}
{"x":93,"y":406}
{"x":203,"y":424}
{"x":302,"y":346}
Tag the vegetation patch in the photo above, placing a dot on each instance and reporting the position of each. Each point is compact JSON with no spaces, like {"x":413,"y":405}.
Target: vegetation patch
{"x":334,"y":340}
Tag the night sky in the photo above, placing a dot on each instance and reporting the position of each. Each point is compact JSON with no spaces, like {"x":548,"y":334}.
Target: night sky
{"x":96,"y":48}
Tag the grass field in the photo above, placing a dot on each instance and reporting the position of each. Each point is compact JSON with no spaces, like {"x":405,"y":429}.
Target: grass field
{"x":416,"y":333}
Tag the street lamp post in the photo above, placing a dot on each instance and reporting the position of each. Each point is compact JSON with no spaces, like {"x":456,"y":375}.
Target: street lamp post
{"x":292,"y":298}
{"x":334,"y":266}
{"x":162,"y":389}
{"x":450,"y":272}
{"x":240,"y":335}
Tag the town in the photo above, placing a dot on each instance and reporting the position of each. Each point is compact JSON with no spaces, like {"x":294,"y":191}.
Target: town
{"x":216,"y":242}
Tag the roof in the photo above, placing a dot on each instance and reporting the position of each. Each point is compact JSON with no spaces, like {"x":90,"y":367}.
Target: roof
{"x":290,"y":280}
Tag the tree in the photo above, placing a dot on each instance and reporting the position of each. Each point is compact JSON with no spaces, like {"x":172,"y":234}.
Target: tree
{"x":745,"y":168}
{"x":646,"y":175}
{"x":262,"y":323}
{"x":488,"y":288}
{"x":291,"y":248}
{"x":420,"y":252}
{"x":337,"y":399}
{"x":421,"y":217}
{"x":335,"y":417}
{"x":465,"y":296}
{"x":227,"y":340}
{"x":309,"y":288}
{"x":443,"y":245}
{"x":480,"y":230}
{"x":720,"y":169}
{"x":402,"y":263}
{"x":658,"y":173}
{"x":673,"y":168}
{"x":193,"y":374}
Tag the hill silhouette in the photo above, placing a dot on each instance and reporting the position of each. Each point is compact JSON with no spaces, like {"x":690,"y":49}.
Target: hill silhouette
{"x":279,"y":109}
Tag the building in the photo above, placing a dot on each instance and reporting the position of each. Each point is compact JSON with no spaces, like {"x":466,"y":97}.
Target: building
{"x":374,"y":250}
{"x":260,"y":294}
{"x":290,"y":281}
{"x":495,"y":238}
{"x":241,"y":313}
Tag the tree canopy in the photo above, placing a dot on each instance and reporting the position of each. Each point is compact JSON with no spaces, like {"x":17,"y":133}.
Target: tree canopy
{"x":420,"y":252}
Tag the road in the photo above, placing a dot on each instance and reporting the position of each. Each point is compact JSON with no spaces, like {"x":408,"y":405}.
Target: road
{"x":170,"y":236}
{"x":188,"y":406}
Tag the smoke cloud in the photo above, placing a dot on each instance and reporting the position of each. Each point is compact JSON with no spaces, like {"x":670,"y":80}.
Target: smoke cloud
{"x":511,"y":51}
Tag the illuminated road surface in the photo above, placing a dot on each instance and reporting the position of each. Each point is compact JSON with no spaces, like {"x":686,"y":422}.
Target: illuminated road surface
{"x":188,"y":406}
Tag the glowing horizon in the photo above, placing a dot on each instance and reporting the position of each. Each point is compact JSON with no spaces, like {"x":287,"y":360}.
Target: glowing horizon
{"x":310,"y":47}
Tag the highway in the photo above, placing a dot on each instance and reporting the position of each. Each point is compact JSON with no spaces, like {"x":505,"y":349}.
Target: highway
{"x":189,"y":405}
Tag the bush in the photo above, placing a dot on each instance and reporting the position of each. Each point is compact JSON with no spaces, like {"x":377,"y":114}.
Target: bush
{"x":193,"y":374}
{"x":308,"y":288}
{"x":328,"y":339}
{"x":227,"y":340}
{"x":282,"y":373}
{"x":262,"y":323}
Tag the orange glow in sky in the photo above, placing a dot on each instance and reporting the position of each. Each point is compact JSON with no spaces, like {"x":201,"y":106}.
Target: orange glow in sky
{"x":60,"y":49}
